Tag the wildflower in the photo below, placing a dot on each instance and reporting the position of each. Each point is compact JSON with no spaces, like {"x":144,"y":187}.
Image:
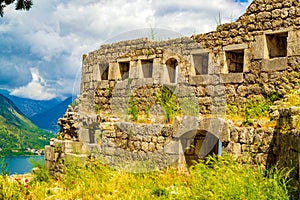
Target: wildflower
{"x":26,"y":180}
{"x":27,"y":186}
{"x":17,"y":179}
{"x":73,"y":182}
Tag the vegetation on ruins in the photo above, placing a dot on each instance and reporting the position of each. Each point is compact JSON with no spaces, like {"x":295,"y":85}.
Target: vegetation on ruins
{"x":214,"y":178}
{"x":167,"y":100}
{"x":140,"y":111}
{"x":133,"y":109}
{"x":256,"y":107}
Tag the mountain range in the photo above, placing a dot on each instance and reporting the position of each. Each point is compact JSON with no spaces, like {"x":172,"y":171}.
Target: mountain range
{"x":48,"y":119}
{"x":30,"y":107}
{"x":17,"y":133}
{"x":43,"y":113}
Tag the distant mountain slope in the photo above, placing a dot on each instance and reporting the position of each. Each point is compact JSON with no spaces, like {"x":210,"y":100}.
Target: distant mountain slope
{"x":31,"y":107}
{"x":17,"y":132}
{"x":48,"y":120}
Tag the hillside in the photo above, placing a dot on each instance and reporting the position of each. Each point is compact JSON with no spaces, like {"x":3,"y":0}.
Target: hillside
{"x":30,"y":107}
{"x":17,"y":133}
{"x":48,"y":119}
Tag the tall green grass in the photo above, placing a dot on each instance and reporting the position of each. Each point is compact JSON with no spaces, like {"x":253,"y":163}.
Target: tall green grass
{"x":214,"y":178}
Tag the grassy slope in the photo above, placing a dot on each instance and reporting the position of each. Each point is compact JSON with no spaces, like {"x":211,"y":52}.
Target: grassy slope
{"x":16,"y":131}
{"x":218,"y":178}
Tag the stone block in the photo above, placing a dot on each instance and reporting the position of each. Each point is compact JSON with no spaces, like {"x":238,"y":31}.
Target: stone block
{"x":133,"y":72}
{"x":236,"y":148}
{"x":203,"y":80}
{"x":72,"y":147}
{"x":103,"y":84}
{"x":49,"y":153}
{"x":157,"y":68}
{"x":84,"y":134}
{"x":232,"y":78}
{"x":260,"y":47}
{"x":225,"y":135}
{"x":247,"y":60}
{"x":114,"y":71}
{"x":275,"y":64}
{"x":234,"y":47}
{"x":123,"y":59}
{"x":96,"y":76}
{"x":145,"y":146}
{"x":293,"y":43}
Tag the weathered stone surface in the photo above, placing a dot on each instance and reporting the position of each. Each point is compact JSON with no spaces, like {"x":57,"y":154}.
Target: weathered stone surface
{"x":223,"y":81}
{"x":232,"y":78}
{"x":274,"y":64}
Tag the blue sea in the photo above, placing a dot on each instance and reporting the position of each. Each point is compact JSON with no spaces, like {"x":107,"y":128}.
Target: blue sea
{"x":20,"y":164}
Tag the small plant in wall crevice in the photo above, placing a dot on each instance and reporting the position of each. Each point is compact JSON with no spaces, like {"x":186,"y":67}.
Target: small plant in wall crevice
{"x":133,"y":109}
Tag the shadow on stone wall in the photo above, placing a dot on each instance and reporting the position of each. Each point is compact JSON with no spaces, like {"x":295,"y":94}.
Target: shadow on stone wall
{"x":284,"y":150}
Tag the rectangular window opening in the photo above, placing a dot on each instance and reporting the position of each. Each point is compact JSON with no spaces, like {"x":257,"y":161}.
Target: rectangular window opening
{"x":201,"y":63}
{"x":235,"y":61}
{"x":277,"y":44}
{"x":104,"y":71}
{"x":124,"y":69}
{"x":147,"y":68}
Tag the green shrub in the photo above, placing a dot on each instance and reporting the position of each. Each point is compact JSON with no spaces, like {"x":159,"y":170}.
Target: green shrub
{"x":255,"y":108}
{"x":133,"y":109}
{"x":3,"y":167}
{"x":97,"y":108}
{"x":159,"y":192}
{"x":41,"y":174}
{"x":168,"y":101}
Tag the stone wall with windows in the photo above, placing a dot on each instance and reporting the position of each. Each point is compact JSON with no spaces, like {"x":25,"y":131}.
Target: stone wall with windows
{"x":255,"y":57}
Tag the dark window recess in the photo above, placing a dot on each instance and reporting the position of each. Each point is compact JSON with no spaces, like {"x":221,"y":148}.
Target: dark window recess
{"x":147,"y":68}
{"x":104,"y":71}
{"x":201,"y":63}
{"x":277,"y":44}
{"x":124,"y":70}
{"x":235,"y":61}
{"x":172,"y":64}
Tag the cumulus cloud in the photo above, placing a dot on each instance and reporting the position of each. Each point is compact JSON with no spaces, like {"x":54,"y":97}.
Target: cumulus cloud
{"x":36,"y":89}
{"x":54,"y":34}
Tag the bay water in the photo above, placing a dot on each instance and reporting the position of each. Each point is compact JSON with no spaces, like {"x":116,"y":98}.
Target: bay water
{"x":20,"y":164}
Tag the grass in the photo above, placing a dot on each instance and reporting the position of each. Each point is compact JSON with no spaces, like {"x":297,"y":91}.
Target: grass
{"x":291,"y":99}
{"x":214,"y":178}
{"x":255,"y":108}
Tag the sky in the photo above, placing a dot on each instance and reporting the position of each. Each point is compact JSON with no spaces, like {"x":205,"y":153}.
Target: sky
{"x":41,"y":49}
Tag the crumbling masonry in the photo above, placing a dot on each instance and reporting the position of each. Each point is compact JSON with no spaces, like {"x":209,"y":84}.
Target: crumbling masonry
{"x":256,"y":56}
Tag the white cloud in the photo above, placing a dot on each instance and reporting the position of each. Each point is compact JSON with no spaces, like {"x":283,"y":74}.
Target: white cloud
{"x":54,"y":34}
{"x":36,"y":89}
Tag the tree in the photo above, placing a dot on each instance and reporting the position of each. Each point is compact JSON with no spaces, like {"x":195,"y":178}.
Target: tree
{"x":20,"y":5}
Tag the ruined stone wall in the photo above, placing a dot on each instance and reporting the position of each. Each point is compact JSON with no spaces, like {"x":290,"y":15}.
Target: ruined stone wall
{"x":111,"y":52}
{"x":266,"y":37}
{"x":285,"y":144}
{"x":261,"y":15}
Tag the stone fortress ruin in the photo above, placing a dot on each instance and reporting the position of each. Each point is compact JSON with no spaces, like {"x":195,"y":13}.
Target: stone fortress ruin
{"x":149,"y":104}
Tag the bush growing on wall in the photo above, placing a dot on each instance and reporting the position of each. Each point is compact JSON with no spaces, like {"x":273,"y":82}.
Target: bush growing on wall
{"x":168,"y":101}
